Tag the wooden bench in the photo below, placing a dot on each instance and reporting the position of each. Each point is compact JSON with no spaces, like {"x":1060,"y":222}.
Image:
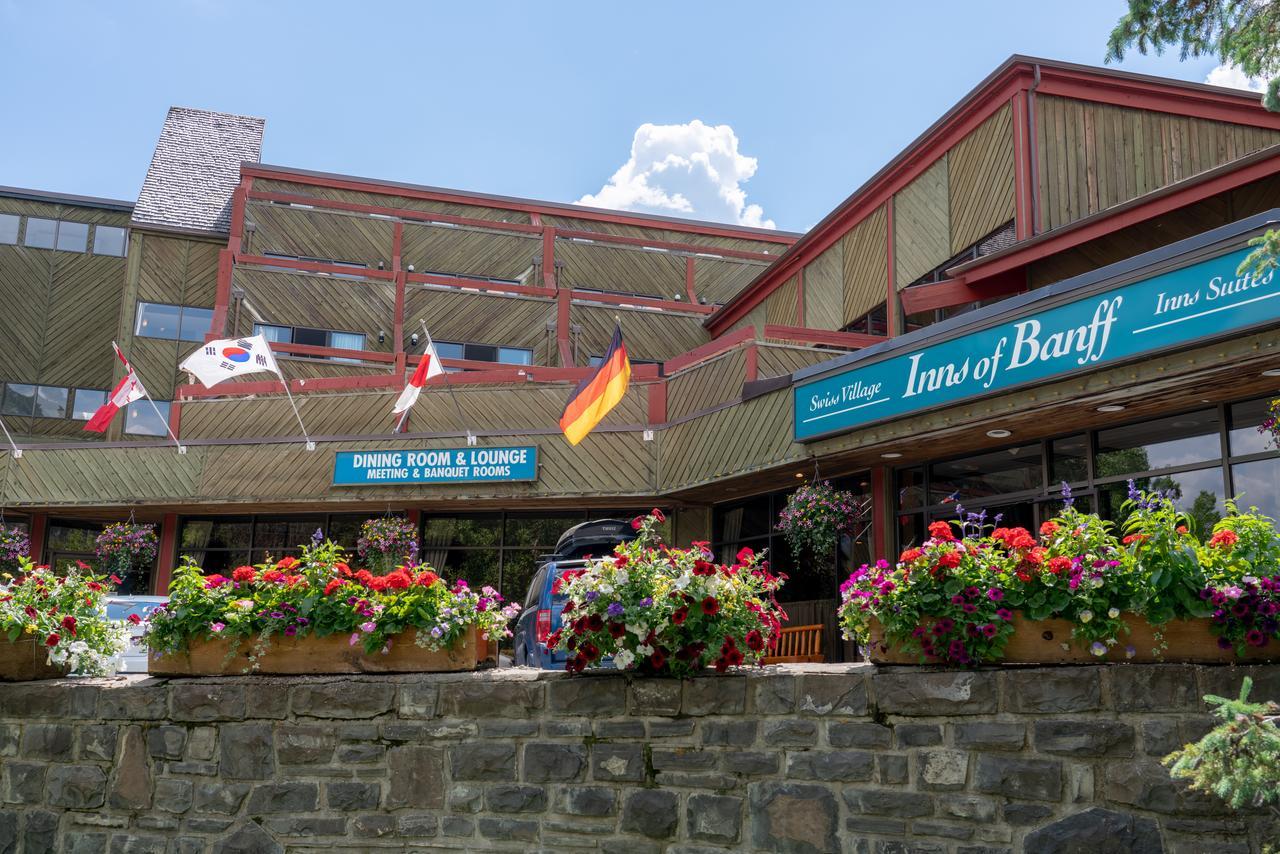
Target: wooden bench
{"x":797,"y":644}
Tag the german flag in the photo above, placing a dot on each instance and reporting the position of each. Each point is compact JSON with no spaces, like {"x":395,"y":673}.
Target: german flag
{"x":598,"y":393}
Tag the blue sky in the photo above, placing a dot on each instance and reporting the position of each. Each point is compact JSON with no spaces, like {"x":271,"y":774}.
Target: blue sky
{"x":529,"y":99}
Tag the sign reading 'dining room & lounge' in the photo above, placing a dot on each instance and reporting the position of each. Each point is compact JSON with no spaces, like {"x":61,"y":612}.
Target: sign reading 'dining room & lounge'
{"x":1173,"y":309}
{"x":436,"y":465}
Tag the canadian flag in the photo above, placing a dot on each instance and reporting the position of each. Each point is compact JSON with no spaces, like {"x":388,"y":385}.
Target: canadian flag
{"x":126,"y":391}
{"x":428,"y":366}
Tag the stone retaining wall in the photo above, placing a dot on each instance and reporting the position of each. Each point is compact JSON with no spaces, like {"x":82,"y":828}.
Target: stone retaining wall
{"x":805,"y":758}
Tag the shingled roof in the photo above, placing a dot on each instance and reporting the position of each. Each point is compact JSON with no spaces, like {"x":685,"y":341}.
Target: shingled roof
{"x":195,"y":169}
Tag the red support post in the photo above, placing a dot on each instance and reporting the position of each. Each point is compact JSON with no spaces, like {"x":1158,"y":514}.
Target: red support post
{"x":881,"y":519}
{"x":167,"y":554}
{"x":657,"y":402}
{"x":1023,"y":219}
{"x":891,"y":297}
{"x":753,"y":362}
{"x":549,"y":257}
{"x":39,"y":525}
{"x":222,"y":296}
{"x":690,"y":276}
{"x":397,"y":321}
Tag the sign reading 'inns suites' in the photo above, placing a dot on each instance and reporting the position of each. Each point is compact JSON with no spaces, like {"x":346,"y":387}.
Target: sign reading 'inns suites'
{"x":435,"y":465}
{"x":1172,"y":309}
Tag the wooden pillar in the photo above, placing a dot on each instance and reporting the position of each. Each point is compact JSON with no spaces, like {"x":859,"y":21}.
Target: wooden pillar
{"x":37,"y":532}
{"x":882,"y":513}
{"x":397,"y":322}
{"x":166,"y":554}
{"x":893,"y":305}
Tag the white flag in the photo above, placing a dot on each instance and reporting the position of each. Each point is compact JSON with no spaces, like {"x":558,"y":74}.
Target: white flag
{"x":428,"y":366}
{"x":216,"y":361}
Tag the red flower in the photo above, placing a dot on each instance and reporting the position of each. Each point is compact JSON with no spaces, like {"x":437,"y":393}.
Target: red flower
{"x":941,"y":531}
{"x":333,"y":585}
{"x":637,"y":523}
{"x":621,"y":560}
{"x":272,"y":576}
{"x":342,"y":568}
{"x":568,"y":606}
{"x":657,"y":514}
{"x":678,"y":616}
{"x":949,"y":560}
{"x":617,"y":630}
{"x":1182,"y":529}
{"x":658,"y":660}
{"x":710,"y":606}
{"x":734,"y":657}
{"x":755,"y":641}
{"x":287,"y":563}
{"x":1224,"y":539}
{"x":69,"y":623}
{"x":427,"y":578}
{"x":595,"y":623}
{"x":31,"y":612}
{"x":590,"y":650}
{"x":909,"y":555}
{"x":83,"y":566}
{"x":1139,"y":538}
{"x":745,"y":554}
{"x":93,"y":585}
{"x":115,"y":579}
{"x":134,"y":619}
{"x":1059,"y":564}
{"x":52,"y":639}
{"x":702,"y":567}
{"x":1048,"y":529}
{"x":244,"y":574}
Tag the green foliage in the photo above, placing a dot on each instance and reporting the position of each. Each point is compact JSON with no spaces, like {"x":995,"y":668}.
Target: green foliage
{"x":1265,"y":257}
{"x":1238,"y":760}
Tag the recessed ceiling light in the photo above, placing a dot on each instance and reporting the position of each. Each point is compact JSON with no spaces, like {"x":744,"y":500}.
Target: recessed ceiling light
{"x":1274,"y":372}
{"x":1111,"y":407}
{"x":799,"y":474}
{"x":891,"y":455}
{"x":999,"y":434}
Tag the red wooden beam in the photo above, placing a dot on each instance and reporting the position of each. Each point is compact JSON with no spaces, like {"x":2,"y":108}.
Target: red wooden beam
{"x":881,"y":519}
{"x":478,"y":285}
{"x":692,"y":248}
{"x":348,"y":273}
{"x":658,"y":402}
{"x":1023,"y":224}
{"x":242,"y":389}
{"x":752,"y":362}
{"x":804,"y":335}
{"x":951,"y":293}
{"x":236,"y":237}
{"x":222,"y":295}
{"x":690,"y":277}
{"x":645,"y":302}
{"x":39,"y":525}
{"x":711,"y":348}
{"x":166,"y":554}
{"x":408,"y":214}
{"x":397,"y":319}
{"x":333,"y":352}
{"x":549,"y":258}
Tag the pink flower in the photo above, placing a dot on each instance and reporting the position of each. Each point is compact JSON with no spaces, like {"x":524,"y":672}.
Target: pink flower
{"x":368,"y":627}
{"x":355,"y":639}
{"x":217,"y":627}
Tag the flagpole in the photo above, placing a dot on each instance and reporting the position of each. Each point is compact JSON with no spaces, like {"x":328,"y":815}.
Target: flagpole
{"x":311,"y":446}
{"x":182,"y":449}
{"x":17,"y":452}
{"x":461,"y":418}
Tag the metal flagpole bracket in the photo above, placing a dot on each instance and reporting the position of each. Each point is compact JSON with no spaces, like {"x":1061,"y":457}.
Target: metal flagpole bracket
{"x":311,"y":446}
{"x":17,"y":453}
{"x":471,"y":439}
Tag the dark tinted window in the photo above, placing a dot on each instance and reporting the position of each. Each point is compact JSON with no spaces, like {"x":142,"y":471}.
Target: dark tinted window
{"x":1163,"y":443}
{"x":1070,"y":459}
{"x":971,"y":479}
{"x":1245,"y":418}
{"x":51,"y":402}
{"x":19,"y":399}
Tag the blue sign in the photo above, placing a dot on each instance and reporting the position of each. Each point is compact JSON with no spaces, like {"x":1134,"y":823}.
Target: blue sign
{"x":1173,"y":309}
{"x":439,"y":465}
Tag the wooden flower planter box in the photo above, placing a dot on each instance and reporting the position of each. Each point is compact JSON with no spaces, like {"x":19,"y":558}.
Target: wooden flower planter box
{"x":27,"y":659}
{"x":1042,"y":642}
{"x":309,"y":655}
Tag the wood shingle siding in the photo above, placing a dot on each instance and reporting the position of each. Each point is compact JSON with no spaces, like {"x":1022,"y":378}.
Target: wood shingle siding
{"x":1093,"y":156}
{"x":775,"y":360}
{"x":781,"y":305}
{"x":921,"y":234}
{"x":708,"y":384}
{"x":717,"y":444}
{"x":321,"y":302}
{"x":84,"y":302}
{"x":866,"y":265}
{"x":285,"y":230}
{"x":980,"y":181}
{"x":824,"y":290}
{"x":719,"y":280}
{"x":470,"y":252}
{"x":648,"y":334}
{"x":627,"y":269}
{"x":452,"y":315}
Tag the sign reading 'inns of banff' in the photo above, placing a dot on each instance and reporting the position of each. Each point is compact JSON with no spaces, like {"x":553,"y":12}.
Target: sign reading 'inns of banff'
{"x":435,"y":465}
{"x":1172,"y":309}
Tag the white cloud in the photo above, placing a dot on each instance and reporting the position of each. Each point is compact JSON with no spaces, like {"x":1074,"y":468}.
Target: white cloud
{"x":692,"y":170}
{"x":1232,"y":77}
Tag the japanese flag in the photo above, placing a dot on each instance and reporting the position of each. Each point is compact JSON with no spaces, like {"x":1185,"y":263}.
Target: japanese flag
{"x":428,"y":366}
{"x":216,"y":361}
{"x":126,"y":391}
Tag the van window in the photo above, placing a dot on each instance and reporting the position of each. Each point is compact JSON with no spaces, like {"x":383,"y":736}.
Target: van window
{"x":536,"y":587}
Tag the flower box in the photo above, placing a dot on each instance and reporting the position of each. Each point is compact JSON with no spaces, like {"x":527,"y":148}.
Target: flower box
{"x":1042,"y":642}
{"x":27,"y":659}
{"x":311,"y":655}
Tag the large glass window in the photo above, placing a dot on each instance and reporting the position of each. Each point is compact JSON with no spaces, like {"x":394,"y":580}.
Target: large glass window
{"x":73,"y":236}
{"x":19,"y":400}
{"x":220,"y":544}
{"x":51,"y":402}
{"x":41,"y":233}
{"x":9,"y":228}
{"x":172,"y":322}
{"x":313,"y":338}
{"x":86,"y":402}
{"x":109,"y":240}
{"x":143,"y":419}
{"x":484,"y":352}
{"x":1179,"y":440}
{"x":1257,"y":484}
{"x":1008,"y":470}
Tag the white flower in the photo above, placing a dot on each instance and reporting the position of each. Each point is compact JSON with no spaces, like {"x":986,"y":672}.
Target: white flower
{"x":682,"y":580}
{"x":620,"y":577}
{"x":624,"y":659}
{"x":640,"y":630}
{"x":644,"y":649}
{"x":605,"y":588}
{"x":1113,"y":613}
{"x":1086,"y":616}
{"x":1096,"y":581}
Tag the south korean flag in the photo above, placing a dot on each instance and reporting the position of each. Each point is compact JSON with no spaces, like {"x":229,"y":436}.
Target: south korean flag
{"x":216,"y":361}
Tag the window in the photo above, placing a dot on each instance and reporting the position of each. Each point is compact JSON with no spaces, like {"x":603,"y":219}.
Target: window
{"x":73,"y":236}
{"x":595,"y":361}
{"x":474,"y":352}
{"x":9,"y":228}
{"x":172,"y":322}
{"x":41,"y":233}
{"x":142,"y":419}
{"x":51,"y":402}
{"x":874,"y":322}
{"x":19,"y":399}
{"x":274,"y":334}
{"x":312,"y":338}
{"x":41,"y":401}
{"x":86,"y":402}
{"x":355,"y":265}
{"x":1163,"y":443}
{"x":109,"y":240}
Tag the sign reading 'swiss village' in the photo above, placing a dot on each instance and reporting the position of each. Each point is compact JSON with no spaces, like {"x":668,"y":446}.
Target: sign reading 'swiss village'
{"x":1166,"y":311}
{"x":436,"y":465}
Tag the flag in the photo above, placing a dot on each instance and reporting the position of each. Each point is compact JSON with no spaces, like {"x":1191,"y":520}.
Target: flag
{"x":598,"y":393}
{"x":126,"y":391}
{"x":216,"y":361}
{"x":428,"y":366}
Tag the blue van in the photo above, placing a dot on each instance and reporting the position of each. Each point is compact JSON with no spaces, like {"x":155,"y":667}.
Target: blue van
{"x":541,"y":614}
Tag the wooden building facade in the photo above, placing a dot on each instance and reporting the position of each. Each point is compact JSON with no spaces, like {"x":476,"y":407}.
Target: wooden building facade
{"x":1045,"y":172}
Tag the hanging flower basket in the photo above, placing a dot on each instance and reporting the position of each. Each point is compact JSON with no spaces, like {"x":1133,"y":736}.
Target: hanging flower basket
{"x":815,"y":518}
{"x":1270,"y":427}
{"x":53,"y":625}
{"x":386,"y":543}
{"x":314,"y":614}
{"x":126,"y":551}
{"x":1076,"y":593}
{"x":15,"y":546}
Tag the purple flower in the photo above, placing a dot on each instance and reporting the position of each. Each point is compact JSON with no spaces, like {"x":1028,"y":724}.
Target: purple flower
{"x":615,"y":609}
{"x":995,"y":594}
{"x":646,"y":602}
{"x":593,"y":595}
{"x":277,"y":615}
{"x":368,"y":627}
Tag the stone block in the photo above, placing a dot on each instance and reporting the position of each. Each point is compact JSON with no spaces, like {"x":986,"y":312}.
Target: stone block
{"x":894,"y":803}
{"x":219,"y":797}
{"x":1142,"y":783}
{"x":870,"y":736}
{"x":1050,"y":691}
{"x":752,"y":762}
{"x":714,"y":818}
{"x":418,"y":826}
{"x":249,"y":838}
{"x":892,"y":769}
{"x":373,"y":826}
{"x":989,"y":735}
{"x":683,"y":759}
{"x":76,"y":786}
{"x":476,"y":699}
{"x":265,"y":701}
{"x":166,"y":742}
{"x":508,"y":829}
{"x":593,"y":696}
{"x":552,"y":762}
{"x":457,"y":826}
{"x":831,"y":766}
{"x":51,"y":701}
{"x":587,"y":801}
{"x":138,"y":843}
{"x":131,"y":779}
{"x":917,"y":735}
{"x":774,"y":694}
{"x":417,"y":774}
{"x":204,"y":824}
{"x":513,"y":797}
{"x":23,"y":782}
{"x":1097,"y":830}
{"x":360,"y":754}
{"x":10,"y":739}
{"x":342,"y":700}
{"x":418,"y":701}
{"x":484,"y":762}
{"x":912,"y":693}
{"x":968,"y":807}
{"x":879,"y":825}
{"x":305,"y":744}
{"x":39,"y":831}
{"x":46,"y":741}
{"x":1027,"y":779}
{"x":1084,"y":738}
{"x":833,"y":694}
{"x":670,"y":728}
{"x":1025,"y":815}
{"x":350,"y":796}
{"x":800,"y":818}
{"x":207,"y":700}
{"x":627,"y":728}
{"x":98,"y":741}
{"x":1160,"y":737}
{"x":172,"y":795}
{"x":655,"y":697}
{"x":791,"y":732}
{"x":308,"y":825}
{"x":943,"y":769}
{"x":730,"y":733}
{"x":465,"y":797}
{"x":283,"y":798}
{"x":651,"y":812}
{"x":572,"y":728}
{"x":617,"y":763}
{"x":944,"y":829}
{"x":80,"y":843}
{"x":1154,"y":687}
{"x":714,"y":695}
{"x":8,"y":832}
{"x":246,"y":752}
